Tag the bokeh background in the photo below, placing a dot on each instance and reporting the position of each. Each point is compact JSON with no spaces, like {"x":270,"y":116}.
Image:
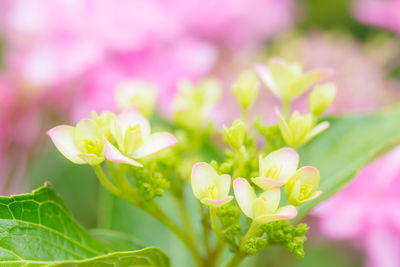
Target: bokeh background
{"x":60,"y":59}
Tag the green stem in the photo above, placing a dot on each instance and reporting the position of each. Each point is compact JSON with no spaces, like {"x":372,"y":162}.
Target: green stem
{"x":236,"y":259}
{"x":286,"y":106}
{"x":219,"y":247}
{"x":240,"y":162}
{"x":250,"y":233}
{"x":123,"y":181}
{"x":104,"y":207}
{"x":245,"y":114}
{"x":105,"y":182}
{"x":205,"y":225}
{"x":184,"y":215}
{"x":155,"y":211}
{"x":113,"y":171}
{"x":214,"y":223}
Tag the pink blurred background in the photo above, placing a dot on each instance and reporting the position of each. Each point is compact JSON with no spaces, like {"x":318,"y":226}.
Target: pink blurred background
{"x":61,"y":59}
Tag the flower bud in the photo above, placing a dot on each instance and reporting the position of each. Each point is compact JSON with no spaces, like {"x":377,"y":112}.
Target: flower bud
{"x":136,"y":94}
{"x":302,"y":186}
{"x":235,"y":135}
{"x":287,"y":80}
{"x":299,"y":130}
{"x":104,"y":122}
{"x":209,"y":187}
{"x":132,"y":139}
{"x":193,"y":103}
{"x":276,"y":168}
{"x":262,"y":209}
{"x":246,"y":88}
{"x":321,"y":98}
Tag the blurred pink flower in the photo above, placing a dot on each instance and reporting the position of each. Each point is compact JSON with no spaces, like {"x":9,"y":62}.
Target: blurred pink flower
{"x":368,"y":210}
{"x":95,"y":44}
{"x":232,"y":23}
{"x":67,"y":56}
{"x":52,"y":42}
{"x":382,"y":13}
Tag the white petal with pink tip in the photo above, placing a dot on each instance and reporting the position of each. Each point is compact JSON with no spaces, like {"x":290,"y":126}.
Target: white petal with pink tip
{"x":286,"y":159}
{"x":113,"y":154}
{"x":284,"y":213}
{"x":245,"y":196}
{"x":131,"y":117}
{"x":216,"y":202}
{"x":63,"y":138}
{"x":202,"y":176}
{"x":154,"y":143}
{"x":266,"y":183}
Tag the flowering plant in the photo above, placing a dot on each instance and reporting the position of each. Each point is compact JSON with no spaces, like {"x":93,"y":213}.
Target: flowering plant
{"x":251,"y":193}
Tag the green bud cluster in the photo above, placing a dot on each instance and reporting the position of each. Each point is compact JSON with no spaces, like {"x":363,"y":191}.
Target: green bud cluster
{"x":151,"y":184}
{"x":229,"y":216}
{"x":282,"y":233}
{"x":272,"y":135}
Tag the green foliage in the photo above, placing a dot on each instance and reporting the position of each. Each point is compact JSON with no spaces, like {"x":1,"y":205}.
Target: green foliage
{"x":148,"y":257}
{"x":116,"y":240}
{"x":332,"y":15}
{"x":284,"y":234}
{"x":67,"y":177}
{"x":348,"y":145}
{"x":37,"y":229}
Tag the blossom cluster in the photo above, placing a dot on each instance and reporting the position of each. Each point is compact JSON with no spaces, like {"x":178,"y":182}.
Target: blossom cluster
{"x":260,"y":177}
{"x":123,"y":138}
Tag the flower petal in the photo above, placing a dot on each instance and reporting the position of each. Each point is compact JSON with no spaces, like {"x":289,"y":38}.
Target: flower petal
{"x":317,"y":130}
{"x":215,"y":203}
{"x":284,"y":74}
{"x":273,"y":197}
{"x":154,"y":143}
{"x":223,"y":185}
{"x":245,"y":196}
{"x":284,"y":213}
{"x":203,"y":175}
{"x":63,"y":138}
{"x":307,"y":80}
{"x":113,"y":154}
{"x":286,"y":159}
{"x":267,"y":183}
{"x":284,"y":127}
{"x":266,"y":77}
{"x":307,"y":175}
{"x":312,"y":197}
{"x":132,"y":117}
{"x":91,"y":159}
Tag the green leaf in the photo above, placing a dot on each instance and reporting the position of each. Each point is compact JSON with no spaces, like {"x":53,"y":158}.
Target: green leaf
{"x":346,"y":147}
{"x":116,"y":240}
{"x":67,"y":177}
{"x":145,"y":257}
{"x":36,"y":229}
